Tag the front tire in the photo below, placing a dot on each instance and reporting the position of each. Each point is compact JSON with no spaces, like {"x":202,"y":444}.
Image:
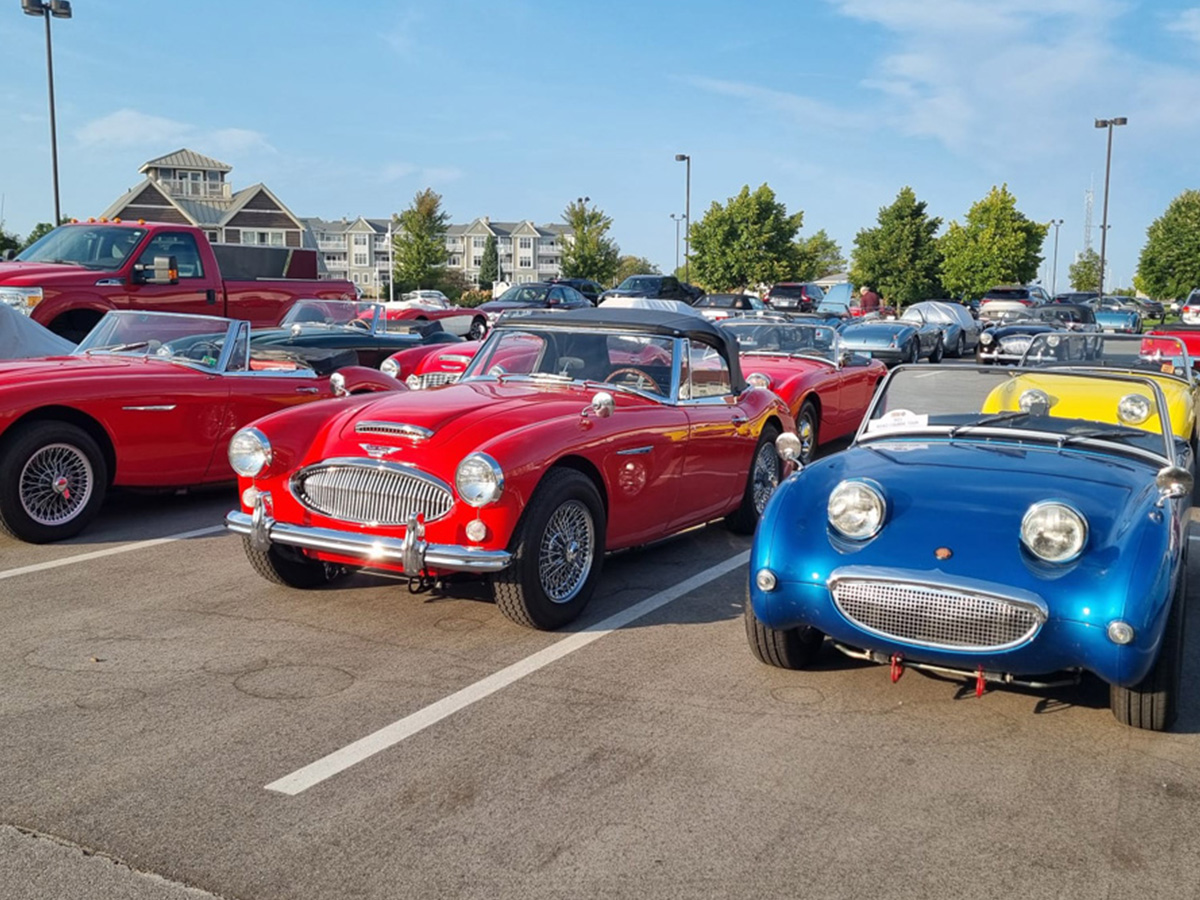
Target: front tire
{"x":914,"y":351}
{"x":939,"y":350}
{"x":478,"y":328}
{"x":761,"y":482}
{"x":558,"y":553}
{"x":791,"y":648}
{"x":1153,"y":702}
{"x":53,"y":478}
{"x":960,"y":349}
{"x":807,"y":429}
{"x":288,"y":566}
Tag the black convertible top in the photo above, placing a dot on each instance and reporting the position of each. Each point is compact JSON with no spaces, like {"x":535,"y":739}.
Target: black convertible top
{"x":644,"y":321}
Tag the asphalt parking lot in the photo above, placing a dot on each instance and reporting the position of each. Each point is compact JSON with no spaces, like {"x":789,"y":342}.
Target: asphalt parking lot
{"x":172,"y":726}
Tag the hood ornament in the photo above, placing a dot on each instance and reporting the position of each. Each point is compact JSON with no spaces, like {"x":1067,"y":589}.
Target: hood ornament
{"x":376,"y":451}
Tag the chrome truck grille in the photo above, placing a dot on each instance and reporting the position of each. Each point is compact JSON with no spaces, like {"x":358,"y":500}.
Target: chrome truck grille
{"x":371,"y":493}
{"x":935,"y":616}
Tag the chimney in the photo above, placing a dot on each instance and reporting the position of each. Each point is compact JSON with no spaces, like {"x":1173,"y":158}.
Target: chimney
{"x":487,"y":221}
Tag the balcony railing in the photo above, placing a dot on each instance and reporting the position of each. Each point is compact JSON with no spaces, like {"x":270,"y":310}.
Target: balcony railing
{"x":199,"y":189}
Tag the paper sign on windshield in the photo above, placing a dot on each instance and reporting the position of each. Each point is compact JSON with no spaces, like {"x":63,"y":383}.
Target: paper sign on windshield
{"x":897,"y":420}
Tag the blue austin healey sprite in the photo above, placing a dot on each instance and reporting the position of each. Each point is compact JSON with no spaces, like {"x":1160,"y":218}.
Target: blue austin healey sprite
{"x":1006,"y":526}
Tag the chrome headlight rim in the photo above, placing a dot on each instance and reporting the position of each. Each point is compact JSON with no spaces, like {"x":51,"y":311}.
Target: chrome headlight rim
{"x":986,"y":338}
{"x":864,"y":488}
{"x":1033,"y":525}
{"x":1134,"y":409}
{"x":390,"y":367}
{"x":476,"y":491}
{"x":759,"y":380}
{"x":249,"y":452}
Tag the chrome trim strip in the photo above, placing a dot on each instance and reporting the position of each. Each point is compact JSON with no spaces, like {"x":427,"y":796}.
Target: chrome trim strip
{"x":446,"y":557}
{"x":400,"y":429}
{"x":166,"y":407}
{"x":635,"y":451}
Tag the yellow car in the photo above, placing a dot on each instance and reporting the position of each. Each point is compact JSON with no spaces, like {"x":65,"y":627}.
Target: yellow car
{"x":1160,"y":358}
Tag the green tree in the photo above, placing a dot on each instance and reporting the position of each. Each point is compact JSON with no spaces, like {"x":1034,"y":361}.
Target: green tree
{"x":419,"y":240}
{"x":1169,"y":265}
{"x":588,"y":251}
{"x":748,"y":241}
{"x":633,"y":265}
{"x":489,"y":266}
{"x":998,"y":244}
{"x":454,"y":282}
{"x":8,"y":242}
{"x":40,"y":230}
{"x":816,"y":257}
{"x":1084,"y":273}
{"x":899,"y":257}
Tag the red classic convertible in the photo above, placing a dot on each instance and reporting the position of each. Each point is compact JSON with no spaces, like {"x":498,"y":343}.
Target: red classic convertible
{"x":147,"y":400}
{"x":827,"y":388}
{"x":571,"y":434}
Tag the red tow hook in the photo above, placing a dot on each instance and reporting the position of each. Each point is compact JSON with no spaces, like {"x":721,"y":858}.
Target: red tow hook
{"x":897,"y":667}
{"x":980,"y":683}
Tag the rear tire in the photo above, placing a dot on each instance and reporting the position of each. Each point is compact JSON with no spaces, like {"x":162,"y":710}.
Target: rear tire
{"x":808,"y":429}
{"x":558,"y":553}
{"x":761,"y":482}
{"x":478,"y":328}
{"x":939,"y":350}
{"x":791,"y":648}
{"x":288,"y":566}
{"x":1153,"y":702}
{"x":53,"y":478}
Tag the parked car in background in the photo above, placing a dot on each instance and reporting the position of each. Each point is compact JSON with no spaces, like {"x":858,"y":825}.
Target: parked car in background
{"x":722,"y":306}
{"x":663,"y":287}
{"x":425,"y":297}
{"x":1117,"y":316}
{"x":431,"y":365}
{"x":572,"y":434}
{"x":1008,"y":298}
{"x":531,"y":295}
{"x":894,"y":341}
{"x":361,"y":326}
{"x":1007,"y":341}
{"x":798,"y":296}
{"x":979,"y":529}
{"x":826,"y":387}
{"x":960,"y":329}
{"x":1075,"y":297}
{"x":1189,"y":309}
{"x":1151,"y":309}
{"x":427,"y":307}
{"x":148,"y":400}
{"x":590,"y":289}
{"x":73,"y":275}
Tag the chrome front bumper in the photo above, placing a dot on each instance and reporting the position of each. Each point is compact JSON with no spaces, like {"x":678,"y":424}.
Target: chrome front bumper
{"x":411,"y":551}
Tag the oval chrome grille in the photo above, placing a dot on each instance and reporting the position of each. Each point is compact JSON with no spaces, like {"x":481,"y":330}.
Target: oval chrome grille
{"x":371,"y":493}
{"x":935,"y":616}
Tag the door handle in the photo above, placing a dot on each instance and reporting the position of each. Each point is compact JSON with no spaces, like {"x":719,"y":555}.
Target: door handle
{"x":211,"y":296}
{"x":739,"y":420}
{"x":307,"y":390}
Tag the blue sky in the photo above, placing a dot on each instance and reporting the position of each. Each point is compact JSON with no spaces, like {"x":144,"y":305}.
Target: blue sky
{"x":512,"y":109}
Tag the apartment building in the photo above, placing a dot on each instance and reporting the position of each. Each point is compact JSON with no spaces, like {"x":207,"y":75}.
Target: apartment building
{"x":526,"y":252}
{"x":354,"y":249}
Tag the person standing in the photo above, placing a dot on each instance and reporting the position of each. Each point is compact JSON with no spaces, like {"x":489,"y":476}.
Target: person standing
{"x":868,"y":300}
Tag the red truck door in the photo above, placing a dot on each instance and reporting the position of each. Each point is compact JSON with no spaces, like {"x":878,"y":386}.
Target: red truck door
{"x":199,"y":289}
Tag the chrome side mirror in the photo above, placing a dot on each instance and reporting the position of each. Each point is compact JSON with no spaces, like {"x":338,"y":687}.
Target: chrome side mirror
{"x":602,"y":406}
{"x":789,"y":448}
{"x":1173,"y":482}
{"x":337,"y":383}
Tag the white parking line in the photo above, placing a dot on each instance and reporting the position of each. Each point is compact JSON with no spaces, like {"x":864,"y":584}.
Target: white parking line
{"x":389,"y":735}
{"x":111,"y":551}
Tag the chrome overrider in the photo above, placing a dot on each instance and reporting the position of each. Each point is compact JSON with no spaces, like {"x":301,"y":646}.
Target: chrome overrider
{"x":412,"y":551}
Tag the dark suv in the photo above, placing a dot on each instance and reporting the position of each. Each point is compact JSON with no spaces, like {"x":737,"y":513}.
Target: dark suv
{"x":664,"y":287}
{"x":801,"y":296}
{"x":585,"y":286}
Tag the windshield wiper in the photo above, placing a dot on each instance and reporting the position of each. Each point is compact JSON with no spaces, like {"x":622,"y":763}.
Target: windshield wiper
{"x":1105,"y":434}
{"x":118,"y":348}
{"x":1006,"y":416}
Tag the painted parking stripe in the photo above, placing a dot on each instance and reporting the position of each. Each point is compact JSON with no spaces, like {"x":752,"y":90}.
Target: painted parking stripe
{"x":111,"y":551}
{"x":390,"y":735}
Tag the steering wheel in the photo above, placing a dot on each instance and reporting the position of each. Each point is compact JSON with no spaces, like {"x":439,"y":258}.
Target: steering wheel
{"x":360,"y":323}
{"x":641,"y":380}
{"x":202,"y":350}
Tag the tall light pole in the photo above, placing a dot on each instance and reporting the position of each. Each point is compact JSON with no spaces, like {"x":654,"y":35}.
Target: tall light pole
{"x":1106,"y":123}
{"x":676,"y":218}
{"x":1057,"y":223}
{"x":687,"y":217}
{"x":60,"y":9}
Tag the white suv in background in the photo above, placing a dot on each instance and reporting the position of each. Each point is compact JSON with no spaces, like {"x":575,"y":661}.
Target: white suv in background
{"x":1189,"y":311}
{"x":1008,"y":300}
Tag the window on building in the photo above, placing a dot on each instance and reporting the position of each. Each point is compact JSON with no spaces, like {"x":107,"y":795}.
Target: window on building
{"x":265,"y":238}
{"x":360,"y":240}
{"x":478,"y":242}
{"x":360,"y":259}
{"x":525,"y":243}
{"x":525,"y":262}
{"x":455,"y":261}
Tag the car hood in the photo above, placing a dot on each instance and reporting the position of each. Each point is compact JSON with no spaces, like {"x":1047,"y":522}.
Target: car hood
{"x":966,"y":499}
{"x":875,"y":333}
{"x":780,"y":368}
{"x":24,"y":371}
{"x":1003,"y":331}
{"x":31,"y":274}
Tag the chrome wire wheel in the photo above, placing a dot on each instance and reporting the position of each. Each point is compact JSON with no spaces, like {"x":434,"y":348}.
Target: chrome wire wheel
{"x":55,"y":484}
{"x":766,"y":473}
{"x":805,"y":431}
{"x":567,"y":549}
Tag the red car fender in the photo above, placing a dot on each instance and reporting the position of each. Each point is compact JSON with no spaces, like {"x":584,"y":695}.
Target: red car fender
{"x":410,"y":358}
{"x":361,"y":380}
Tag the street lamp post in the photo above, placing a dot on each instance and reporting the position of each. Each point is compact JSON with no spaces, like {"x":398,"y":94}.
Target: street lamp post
{"x":60,"y":9}
{"x":1106,"y":123}
{"x":687,"y":216}
{"x":1057,"y":223}
{"x":676,"y":218}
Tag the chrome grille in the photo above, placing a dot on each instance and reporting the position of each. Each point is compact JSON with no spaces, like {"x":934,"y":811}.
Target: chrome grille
{"x":935,"y":616}
{"x":371,"y":493}
{"x":435,"y":379}
{"x":1015,"y":344}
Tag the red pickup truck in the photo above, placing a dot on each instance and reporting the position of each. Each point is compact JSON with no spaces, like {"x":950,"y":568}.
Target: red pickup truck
{"x":76,"y":273}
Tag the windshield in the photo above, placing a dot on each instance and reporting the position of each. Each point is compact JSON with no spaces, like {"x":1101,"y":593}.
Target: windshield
{"x":523,"y":293}
{"x":640,"y":283}
{"x":91,"y":246}
{"x":784,"y":339}
{"x":1154,"y":355}
{"x":985,"y":403}
{"x":335,"y":314}
{"x":172,"y":336}
{"x":636,"y":361}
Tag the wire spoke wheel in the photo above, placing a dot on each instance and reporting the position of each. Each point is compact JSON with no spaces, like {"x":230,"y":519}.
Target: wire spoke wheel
{"x":55,"y":484}
{"x":766,"y":472}
{"x":567,"y":548}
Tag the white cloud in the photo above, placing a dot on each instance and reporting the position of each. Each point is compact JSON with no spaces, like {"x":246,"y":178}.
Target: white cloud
{"x":427,"y":175}
{"x":1187,"y":23}
{"x":798,"y":108}
{"x":128,"y":128}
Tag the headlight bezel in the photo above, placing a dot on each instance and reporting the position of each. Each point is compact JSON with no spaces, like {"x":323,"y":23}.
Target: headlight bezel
{"x":467,"y":490}
{"x":390,"y":367}
{"x":1034,"y":526}
{"x":1134,"y":409}
{"x":22,"y":299}
{"x":864,"y":488}
{"x":263,"y":452}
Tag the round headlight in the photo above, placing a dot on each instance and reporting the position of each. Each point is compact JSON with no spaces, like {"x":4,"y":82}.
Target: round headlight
{"x":390,"y":367}
{"x":1053,"y":532}
{"x":856,"y":509}
{"x":1034,"y":402}
{"x":249,"y":452}
{"x":1134,"y":409}
{"x":479,"y":480}
{"x":759,"y":380}
{"x":1120,"y":632}
{"x":986,"y":338}
{"x":1052,"y":340}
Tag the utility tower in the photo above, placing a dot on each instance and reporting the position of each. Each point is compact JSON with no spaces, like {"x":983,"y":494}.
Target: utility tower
{"x":1087,"y":219}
